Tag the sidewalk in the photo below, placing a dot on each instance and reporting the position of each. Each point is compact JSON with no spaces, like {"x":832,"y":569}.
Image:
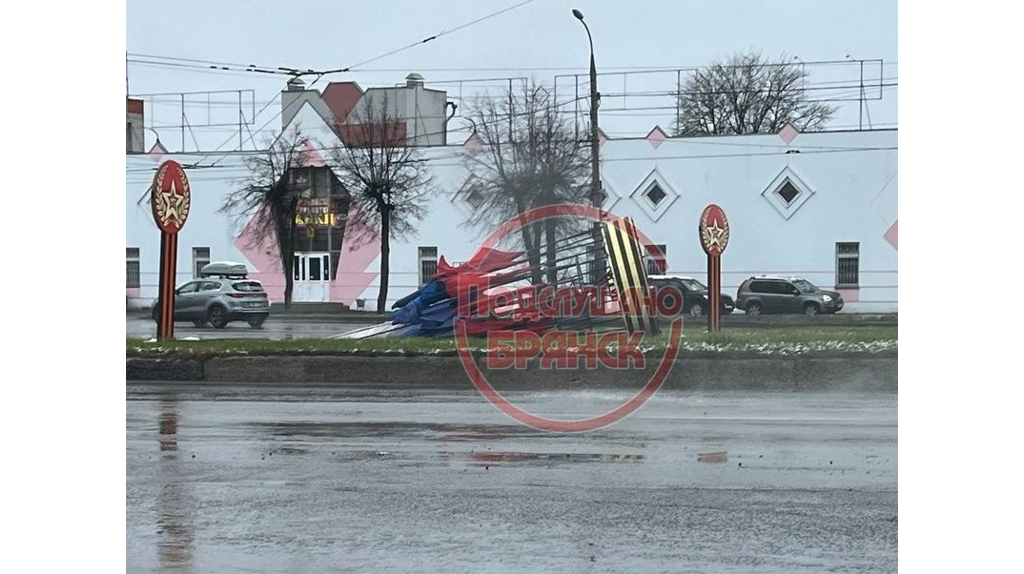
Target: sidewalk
{"x":337,"y":312}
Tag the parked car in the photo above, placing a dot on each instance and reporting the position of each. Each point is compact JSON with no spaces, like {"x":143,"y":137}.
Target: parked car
{"x":223,"y":294}
{"x":695,"y":294}
{"x":758,"y":295}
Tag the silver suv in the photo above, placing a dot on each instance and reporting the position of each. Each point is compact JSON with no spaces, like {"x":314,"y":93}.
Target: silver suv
{"x":222,"y":295}
{"x":763,"y":294}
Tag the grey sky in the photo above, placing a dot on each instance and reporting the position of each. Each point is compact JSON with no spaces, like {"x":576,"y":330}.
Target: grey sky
{"x":542,"y":34}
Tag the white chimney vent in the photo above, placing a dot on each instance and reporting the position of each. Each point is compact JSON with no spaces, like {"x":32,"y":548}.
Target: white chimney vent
{"x":414,"y":80}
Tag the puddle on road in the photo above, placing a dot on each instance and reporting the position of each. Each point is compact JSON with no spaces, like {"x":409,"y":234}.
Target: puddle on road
{"x":513,"y":458}
{"x":452,"y":432}
{"x":713,"y":457}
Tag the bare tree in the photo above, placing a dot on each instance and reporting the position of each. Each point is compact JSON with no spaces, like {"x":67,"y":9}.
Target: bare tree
{"x":387,"y":179}
{"x":269,"y":195}
{"x":530,"y":158}
{"x":747,"y":94}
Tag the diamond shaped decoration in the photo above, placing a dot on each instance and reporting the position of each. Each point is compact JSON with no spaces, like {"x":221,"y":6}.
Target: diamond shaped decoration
{"x":892,"y":234}
{"x":601,"y":138}
{"x":656,"y":137}
{"x":473,"y":144}
{"x":611,"y":197}
{"x":788,"y":133}
{"x":654,"y":195}
{"x":474,"y":198}
{"x":787,"y":192}
{"x":157,"y":151}
{"x":468,"y":198}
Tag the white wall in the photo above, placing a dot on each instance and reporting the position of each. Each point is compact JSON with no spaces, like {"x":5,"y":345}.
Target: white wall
{"x":205,"y":226}
{"x":854,"y":199}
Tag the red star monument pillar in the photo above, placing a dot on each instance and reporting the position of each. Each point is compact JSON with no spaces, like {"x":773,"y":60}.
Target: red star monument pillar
{"x":714,"y":236}
{"x":171,"y":200}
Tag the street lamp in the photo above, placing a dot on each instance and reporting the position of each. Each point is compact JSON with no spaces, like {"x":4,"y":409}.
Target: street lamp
{"x":596,"y":198}
{"x":595,"y":183}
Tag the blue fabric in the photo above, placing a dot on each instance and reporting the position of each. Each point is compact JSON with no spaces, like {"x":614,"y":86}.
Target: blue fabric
{"x":431,"y":304}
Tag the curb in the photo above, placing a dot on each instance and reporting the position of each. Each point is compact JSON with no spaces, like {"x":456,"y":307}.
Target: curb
{"x":784,"y":373}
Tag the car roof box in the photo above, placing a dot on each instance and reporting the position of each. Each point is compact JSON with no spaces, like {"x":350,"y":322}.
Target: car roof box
{"x":224,"y":269}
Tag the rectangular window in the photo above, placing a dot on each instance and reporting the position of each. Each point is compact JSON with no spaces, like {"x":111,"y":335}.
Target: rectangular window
{"x":761,"y":287}
{"x":657,"y":262}
{"x":428,"y":264}
{"x":132,"y":266}
{"x":314,"y":268}
{"x":200,"y":259}
{"x":321,"y":183}
{"x":847,"y":264}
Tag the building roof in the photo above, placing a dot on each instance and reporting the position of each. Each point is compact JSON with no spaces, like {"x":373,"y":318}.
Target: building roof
{"x":341,"y":98}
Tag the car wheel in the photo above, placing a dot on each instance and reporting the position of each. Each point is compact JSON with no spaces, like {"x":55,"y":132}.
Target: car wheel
{"x":696,"y":311}
{"x":256,"y":322}
{"x":753,"y":309}
{"x":218,"y":316}
{"x":811,"y":309}
{"x":199,"y":324}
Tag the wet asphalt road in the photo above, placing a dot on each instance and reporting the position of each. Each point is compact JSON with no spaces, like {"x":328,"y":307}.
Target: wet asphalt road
{"x":312,"y":479}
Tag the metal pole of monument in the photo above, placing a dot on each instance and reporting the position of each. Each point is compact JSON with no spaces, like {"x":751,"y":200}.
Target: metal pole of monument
{"x":714,"y":237}
{"x":168,"y":271}
{"x":171,"y":200}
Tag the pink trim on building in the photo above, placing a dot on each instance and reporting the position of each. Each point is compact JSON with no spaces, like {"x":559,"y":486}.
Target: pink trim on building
{"x":849,"y":295}
{"x":356,"y":257}
{"x":788,"y":133}
{"x":892,"y":235}
{"x":341,"y":98}
{"x":656,"y":137}
{"x":263,"y":257}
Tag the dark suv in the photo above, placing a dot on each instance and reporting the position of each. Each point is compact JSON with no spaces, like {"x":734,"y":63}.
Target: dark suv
{"x":759,"y":295}
{"x":695,"y":294}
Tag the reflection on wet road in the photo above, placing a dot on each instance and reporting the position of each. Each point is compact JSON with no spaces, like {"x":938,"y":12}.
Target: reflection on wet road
{"x":274,"y":328}
{"x":293,"y":479}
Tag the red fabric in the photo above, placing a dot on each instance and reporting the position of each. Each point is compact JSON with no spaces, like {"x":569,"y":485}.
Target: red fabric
{"x":476,"y":328}
{"x":485,"y":260}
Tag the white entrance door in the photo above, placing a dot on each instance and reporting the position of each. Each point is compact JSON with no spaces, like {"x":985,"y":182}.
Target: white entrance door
{"x":312,"y":277}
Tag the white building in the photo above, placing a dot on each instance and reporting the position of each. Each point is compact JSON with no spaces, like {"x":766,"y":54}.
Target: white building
{"x":820,"y":205}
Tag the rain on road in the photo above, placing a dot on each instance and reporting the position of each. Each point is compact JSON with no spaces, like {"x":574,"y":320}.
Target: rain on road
{"x":288,"y":478}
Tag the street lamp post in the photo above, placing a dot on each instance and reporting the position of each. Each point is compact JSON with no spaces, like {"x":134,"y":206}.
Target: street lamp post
{"x":596,"y":196}
{"x":595,"y":183}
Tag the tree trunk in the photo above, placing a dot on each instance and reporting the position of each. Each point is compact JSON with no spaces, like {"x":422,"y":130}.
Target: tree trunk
{"x":287,"y":260}
{"x":531,"y":246}
{"x":549,"y":232}
{"x":385,"y":253}
{"x":288,"y":256}
{"x":532,"y":254}
{"x":534,"y":251}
